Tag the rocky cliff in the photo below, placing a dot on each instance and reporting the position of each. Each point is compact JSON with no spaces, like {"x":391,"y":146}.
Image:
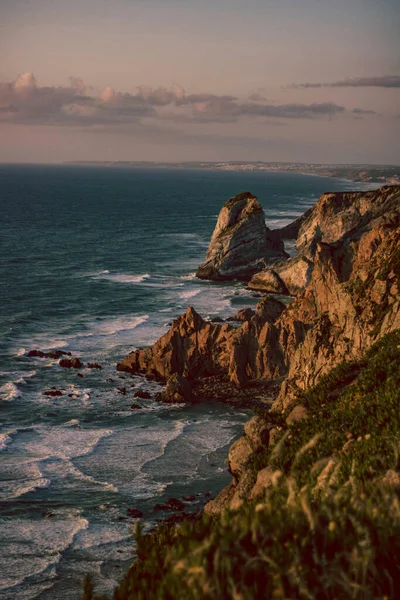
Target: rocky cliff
{"x":351,"y":299}
{"x":241,"y":243}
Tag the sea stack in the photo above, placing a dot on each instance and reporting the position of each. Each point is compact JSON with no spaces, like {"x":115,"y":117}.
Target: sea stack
{"x":241,"y":244}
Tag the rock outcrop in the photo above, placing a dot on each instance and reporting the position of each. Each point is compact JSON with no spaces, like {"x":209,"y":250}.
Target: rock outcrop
{"x":290,"y":277}
{"x":351,"y":300}
{"x":241,"y":243}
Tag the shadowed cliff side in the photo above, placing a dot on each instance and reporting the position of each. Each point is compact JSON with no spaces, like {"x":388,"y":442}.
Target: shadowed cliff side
{"x":351,"y":300}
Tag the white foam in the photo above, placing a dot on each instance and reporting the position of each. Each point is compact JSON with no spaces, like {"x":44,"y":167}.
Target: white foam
{"x":72,"y":423}
{"x":9,"y":391}
{"x":65,"y":443}
{"x":62,"y":470}
{"x":23,"y":376}
{"x":189,"y":276}
{"x":189,"y":294}
{"x":112,"y":326}
{"x":121,"y":277}
{"x":31,"y":547}
{"x":23,"y":476}
{"x":20,"y":352}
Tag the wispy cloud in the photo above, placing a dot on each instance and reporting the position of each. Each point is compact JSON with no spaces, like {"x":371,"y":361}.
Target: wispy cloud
{"x":361,"y":111}
{"x":385,"y":81}
{"x":24,"y":101}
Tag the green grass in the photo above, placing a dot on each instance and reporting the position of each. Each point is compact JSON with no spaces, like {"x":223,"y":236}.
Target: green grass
{"x":328,"y":529}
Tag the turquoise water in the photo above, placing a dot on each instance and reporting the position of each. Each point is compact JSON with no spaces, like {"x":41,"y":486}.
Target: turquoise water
{"x":98,"y":261}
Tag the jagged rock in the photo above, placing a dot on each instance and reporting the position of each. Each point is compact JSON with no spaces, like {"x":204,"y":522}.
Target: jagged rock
{"x":336,"y":317}
{"x":291,"y":277}
{"x":242,"y":315}
{"x":142,"y":394}
{"x":52,"y":393}
{"x":178,"y":389}
{"x":70,"y":363}
{"x":217,"y":320}
{"x":94,"y":366}
{"x":299,"y":413}
{"x":241,"y":243}
{"x":135,"y":406}
{"x":337,"y":215}
{"x":192,"y":347}
{"x":122,"y":390}
{"x":269,"y":309}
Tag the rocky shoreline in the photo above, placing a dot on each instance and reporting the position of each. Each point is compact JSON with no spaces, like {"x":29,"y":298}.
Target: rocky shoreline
{"x":346,"y":283}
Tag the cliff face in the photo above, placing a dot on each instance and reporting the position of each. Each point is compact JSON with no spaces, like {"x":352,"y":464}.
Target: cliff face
{"x":351,"y":300}
{"x":241,"y":243}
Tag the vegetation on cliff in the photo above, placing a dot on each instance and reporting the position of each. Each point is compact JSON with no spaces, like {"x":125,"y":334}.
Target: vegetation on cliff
{"x":328,"y":526}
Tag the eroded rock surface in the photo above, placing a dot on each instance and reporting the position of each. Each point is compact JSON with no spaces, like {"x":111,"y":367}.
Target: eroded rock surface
{"x":351,"y":300}
{"x":241,"y":243}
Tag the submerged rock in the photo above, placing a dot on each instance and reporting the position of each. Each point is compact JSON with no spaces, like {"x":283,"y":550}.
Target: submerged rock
{"x":54,"y":354}
{"x":241,"y":243}
{"x":171,"y":504}
{"x":142,"y":394}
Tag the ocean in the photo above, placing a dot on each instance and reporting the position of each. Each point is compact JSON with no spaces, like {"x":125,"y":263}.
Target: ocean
{"x":97,"y":261}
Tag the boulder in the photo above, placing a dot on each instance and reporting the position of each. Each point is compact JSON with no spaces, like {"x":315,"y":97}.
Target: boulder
{"x":241,"y":243}
{"x":239,"y":453}
{"x":265,"y":480}
{"x":142,"y":394}
{"x":268,"y":281}
{"x":94,"y":366}
{"x":70,"y":363}
{"x":257,"y":432}
{"x":299,"y":413}
{"x":177,"y":390}
{"x":171,"y":504}
{"x":290,"y":277}
{"x":52,"y":393}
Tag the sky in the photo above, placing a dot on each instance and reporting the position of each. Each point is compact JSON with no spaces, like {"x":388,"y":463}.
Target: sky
{"x":191,"y":80}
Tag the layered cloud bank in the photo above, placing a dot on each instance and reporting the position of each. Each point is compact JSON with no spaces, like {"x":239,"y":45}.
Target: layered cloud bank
{"x":24,"y":101}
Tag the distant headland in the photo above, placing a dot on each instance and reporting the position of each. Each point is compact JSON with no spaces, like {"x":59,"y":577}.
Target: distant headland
{"x":366,"y":173}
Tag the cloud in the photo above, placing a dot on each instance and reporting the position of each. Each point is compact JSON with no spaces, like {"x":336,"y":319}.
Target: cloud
{"x":361,"y":111}
{"x":222,"y":109}
{"x":386,"y":81}
{"x":257,"y":97}
{"x":24,"y":101}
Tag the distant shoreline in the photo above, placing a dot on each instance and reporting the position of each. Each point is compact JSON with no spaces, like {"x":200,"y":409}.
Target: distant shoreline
{"x":363,"y":173}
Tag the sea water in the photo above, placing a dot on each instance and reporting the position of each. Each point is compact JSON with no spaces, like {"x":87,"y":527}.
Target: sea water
{"x":97,"y":262}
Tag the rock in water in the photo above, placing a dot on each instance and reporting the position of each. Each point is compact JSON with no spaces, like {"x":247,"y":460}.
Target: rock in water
{"x":241,"y":243}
